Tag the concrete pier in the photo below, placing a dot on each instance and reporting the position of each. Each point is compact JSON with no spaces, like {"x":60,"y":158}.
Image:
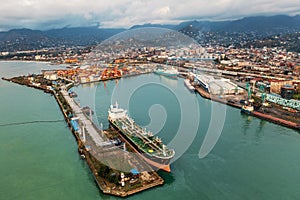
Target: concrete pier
{"x":95,"y":146}
{"x":88,"y":125}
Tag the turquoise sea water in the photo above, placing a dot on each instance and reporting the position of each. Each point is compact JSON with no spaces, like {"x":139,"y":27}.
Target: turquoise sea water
{"x":38,"y":161}
{"x":253,"y":159}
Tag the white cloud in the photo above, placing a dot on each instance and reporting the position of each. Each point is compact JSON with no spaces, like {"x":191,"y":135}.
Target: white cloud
{"x":125,"y":13}
{"x":162,"y":12}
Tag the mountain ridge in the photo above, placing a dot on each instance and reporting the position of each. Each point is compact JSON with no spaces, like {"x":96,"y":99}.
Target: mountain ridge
{"x":28,"y":39}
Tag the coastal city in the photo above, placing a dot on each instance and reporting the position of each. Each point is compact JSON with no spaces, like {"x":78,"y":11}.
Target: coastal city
{"x":196,"y":109}
{"x":260,"y":82}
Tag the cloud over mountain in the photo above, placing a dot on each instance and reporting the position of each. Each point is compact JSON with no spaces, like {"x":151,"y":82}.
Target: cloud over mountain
{"x":48,"y":14}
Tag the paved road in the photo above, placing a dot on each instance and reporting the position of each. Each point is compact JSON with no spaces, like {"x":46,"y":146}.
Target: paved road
{"x":90,"y":129}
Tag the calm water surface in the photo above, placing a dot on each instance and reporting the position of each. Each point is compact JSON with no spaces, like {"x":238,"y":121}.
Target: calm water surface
{"x":253,"y":159}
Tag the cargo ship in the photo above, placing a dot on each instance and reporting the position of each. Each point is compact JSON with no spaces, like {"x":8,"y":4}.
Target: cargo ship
{"x":172,"y":72}
{"x":143,"y":142}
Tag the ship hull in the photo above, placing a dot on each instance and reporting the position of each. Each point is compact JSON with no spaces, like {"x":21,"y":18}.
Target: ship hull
{"x":157,"y":163}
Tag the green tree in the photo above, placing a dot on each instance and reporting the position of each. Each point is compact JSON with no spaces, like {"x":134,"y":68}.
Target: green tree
{"x":113,"y":178}
{"x":296,"y":96}
{"x":103,"y":171}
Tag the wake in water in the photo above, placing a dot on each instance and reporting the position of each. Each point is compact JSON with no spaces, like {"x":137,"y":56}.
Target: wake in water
{"x":32,"y":122}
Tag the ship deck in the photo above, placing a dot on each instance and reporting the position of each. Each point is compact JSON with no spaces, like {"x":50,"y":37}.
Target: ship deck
{"x":141,"y":138}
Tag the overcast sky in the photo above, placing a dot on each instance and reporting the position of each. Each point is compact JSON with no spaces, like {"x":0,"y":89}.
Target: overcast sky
{"x":47,"y":14}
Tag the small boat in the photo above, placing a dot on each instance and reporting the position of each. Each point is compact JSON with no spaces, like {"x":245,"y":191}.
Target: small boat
{"x":248,"y":109}
{"x":172,"y":72}
{"x":189,"y":85}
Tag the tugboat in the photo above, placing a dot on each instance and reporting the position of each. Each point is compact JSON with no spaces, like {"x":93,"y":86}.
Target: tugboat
{"x":248,"y":109}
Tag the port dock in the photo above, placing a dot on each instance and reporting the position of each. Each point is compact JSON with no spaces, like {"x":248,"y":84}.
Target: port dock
{"x":85,"y":121}
{"x":275,"y":114}
{"x":99,"y":151}
{"x":230,"y":100}
{"x":99,"y":148}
